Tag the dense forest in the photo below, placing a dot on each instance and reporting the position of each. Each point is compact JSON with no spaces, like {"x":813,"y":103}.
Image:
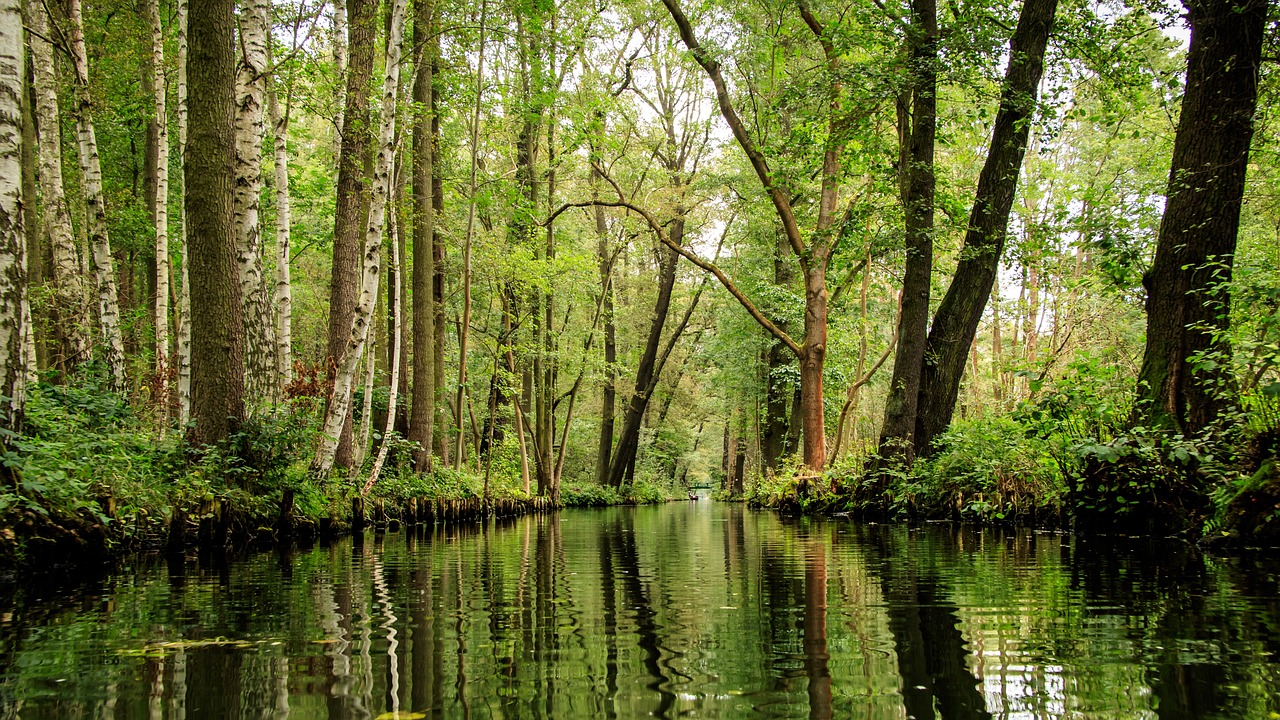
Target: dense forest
{"x":1005,"y":262}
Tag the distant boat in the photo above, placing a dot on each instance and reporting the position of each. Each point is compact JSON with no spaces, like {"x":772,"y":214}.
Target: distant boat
{"x":692,"y":496}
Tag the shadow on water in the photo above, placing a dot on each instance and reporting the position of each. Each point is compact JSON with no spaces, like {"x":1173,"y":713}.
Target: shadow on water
{"x":688,"y":610}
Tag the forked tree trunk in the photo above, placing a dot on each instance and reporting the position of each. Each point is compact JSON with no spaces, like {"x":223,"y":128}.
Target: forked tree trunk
{"x":13,"y":272}
{"x":917,"y":130}
{"x":1187,"y":301}
{"x":345,"y":278}
{"x":956,"y":321}
{"x":71,"y":313}
{"x":91,"y":176}
{"x":340,"y":403}
{"x":422,"y":414}
{"x":160,"y":210}
{"x":260,"y":379}
{"x":217,"y":348}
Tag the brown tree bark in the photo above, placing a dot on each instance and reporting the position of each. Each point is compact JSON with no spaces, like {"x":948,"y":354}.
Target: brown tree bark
{"x":776,"y":439}
{"x":422,"y":419}
{"x":956,"y":321}
{"x":217,"y":343}
{"x":1187,"y":303}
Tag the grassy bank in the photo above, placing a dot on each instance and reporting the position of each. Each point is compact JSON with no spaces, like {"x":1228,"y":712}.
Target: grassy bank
{"x":91,"y":478}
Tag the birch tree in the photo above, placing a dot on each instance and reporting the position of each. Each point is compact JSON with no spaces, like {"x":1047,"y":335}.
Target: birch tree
{"x":284,"y":218}
{"x":13,"y":270}
{"x":340,"y":402}
{"x":184,"y":296}
{"x":160,"y":211}
{"x":70,"y":311}
{"x":251,"y":72}
{"x":91,"y":177}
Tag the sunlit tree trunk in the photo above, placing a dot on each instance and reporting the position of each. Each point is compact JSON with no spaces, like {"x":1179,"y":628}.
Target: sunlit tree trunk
{"x":340,"y":404}
{"x":14,"y":370}
{"x":464,"y":329}
{"x":217,"y":347}
{"x":70,"y":310}
{"x":91,"y":176}
{"x":260,"y":349}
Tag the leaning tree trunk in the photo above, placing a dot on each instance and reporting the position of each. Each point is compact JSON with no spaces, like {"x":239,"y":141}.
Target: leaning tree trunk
{"x":956,"y":321}
{"x":71,"y":315}
{"x":13,"y":270}
{"x":260,"y":382}
{"x":284,"y":220}
{"x":1187,"y":300}
{"x":345,"y":277}
{"x":917,"y":129}
{"x":91,"y":176}
{"x":217,"y":348}
{"x":160,"y":210}
{"x":336,"y":417}
{"x":422,"y":412}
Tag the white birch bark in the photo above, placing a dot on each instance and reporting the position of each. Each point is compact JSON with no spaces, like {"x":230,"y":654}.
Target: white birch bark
{"x":259,"y":326}
{"x":340,"y":75}
{"x":397,"y":329}
{"x":366,"y":408}
{"x":13,"y":267}
{"x":284,"y":286}
{"x":96,"y":206}
{"x":184,"y":298}
{"x":68,"y":281}
{"x":341,"y":401}
{"x":160,"y":213}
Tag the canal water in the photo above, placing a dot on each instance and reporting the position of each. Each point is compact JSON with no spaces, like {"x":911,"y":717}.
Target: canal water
{"x":692,"y":609}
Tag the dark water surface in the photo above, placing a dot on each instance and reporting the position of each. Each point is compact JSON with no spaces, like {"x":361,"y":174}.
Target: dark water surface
{"x":685,"y":610}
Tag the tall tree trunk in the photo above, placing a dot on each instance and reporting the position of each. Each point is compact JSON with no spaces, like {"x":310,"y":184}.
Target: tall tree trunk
{"x":1187,"y":301}
{"x":345,"y":277}
{"x":437,"y":252}
{"x":629,"y":439}
{"x":465,"y":328}
{"x":217,"y":349}
{"x":422,"y":420}
{"x":184,"y":296}
{"x":397,"y":325}
{"x":956,"y":321}
{"x":339,"y":43}
{"x":160,"y":210}
{"x":339,"y":411}
{"x":284,"y":221}
{"x":13,"y":271}
{"x":70,"y":311}
{"x":38,"y":353}
{"x":610,"y":342}
{"x":775,"y":435}
{"x":91,"y":175}
{"x":917,"y":130}
{"x":260,"y":378}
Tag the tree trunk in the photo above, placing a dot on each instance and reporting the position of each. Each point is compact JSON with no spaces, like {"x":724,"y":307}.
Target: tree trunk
{"x":1187,"y":301}
{"x":38,"y":353}
{"x":775,"y":440}
{"x":339,"y":411}
{"x":610,"y":349}
{"x":70,"y":312}
{"x":956,"y":321}
{"x":160,"y":209}
{"x":339,"y":43}
{"x":184,"y":297}
{"x":917,"y":130}
{"x":284,"y":221}
{"x":422,"y":421}
{"x":260,"y":379}
{"x":217,"y":350}
{"x":91,"y":176}
{"x":345,"y":277}
{"x":629,"y":439}
{"x":437,"y":253}
{"x":13,"y":277}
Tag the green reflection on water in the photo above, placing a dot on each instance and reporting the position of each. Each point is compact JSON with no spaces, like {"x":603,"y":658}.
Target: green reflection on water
{"x":690,"y":609}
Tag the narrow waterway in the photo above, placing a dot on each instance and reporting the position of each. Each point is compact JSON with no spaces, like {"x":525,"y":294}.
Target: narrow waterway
{"x":692,"y":609}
